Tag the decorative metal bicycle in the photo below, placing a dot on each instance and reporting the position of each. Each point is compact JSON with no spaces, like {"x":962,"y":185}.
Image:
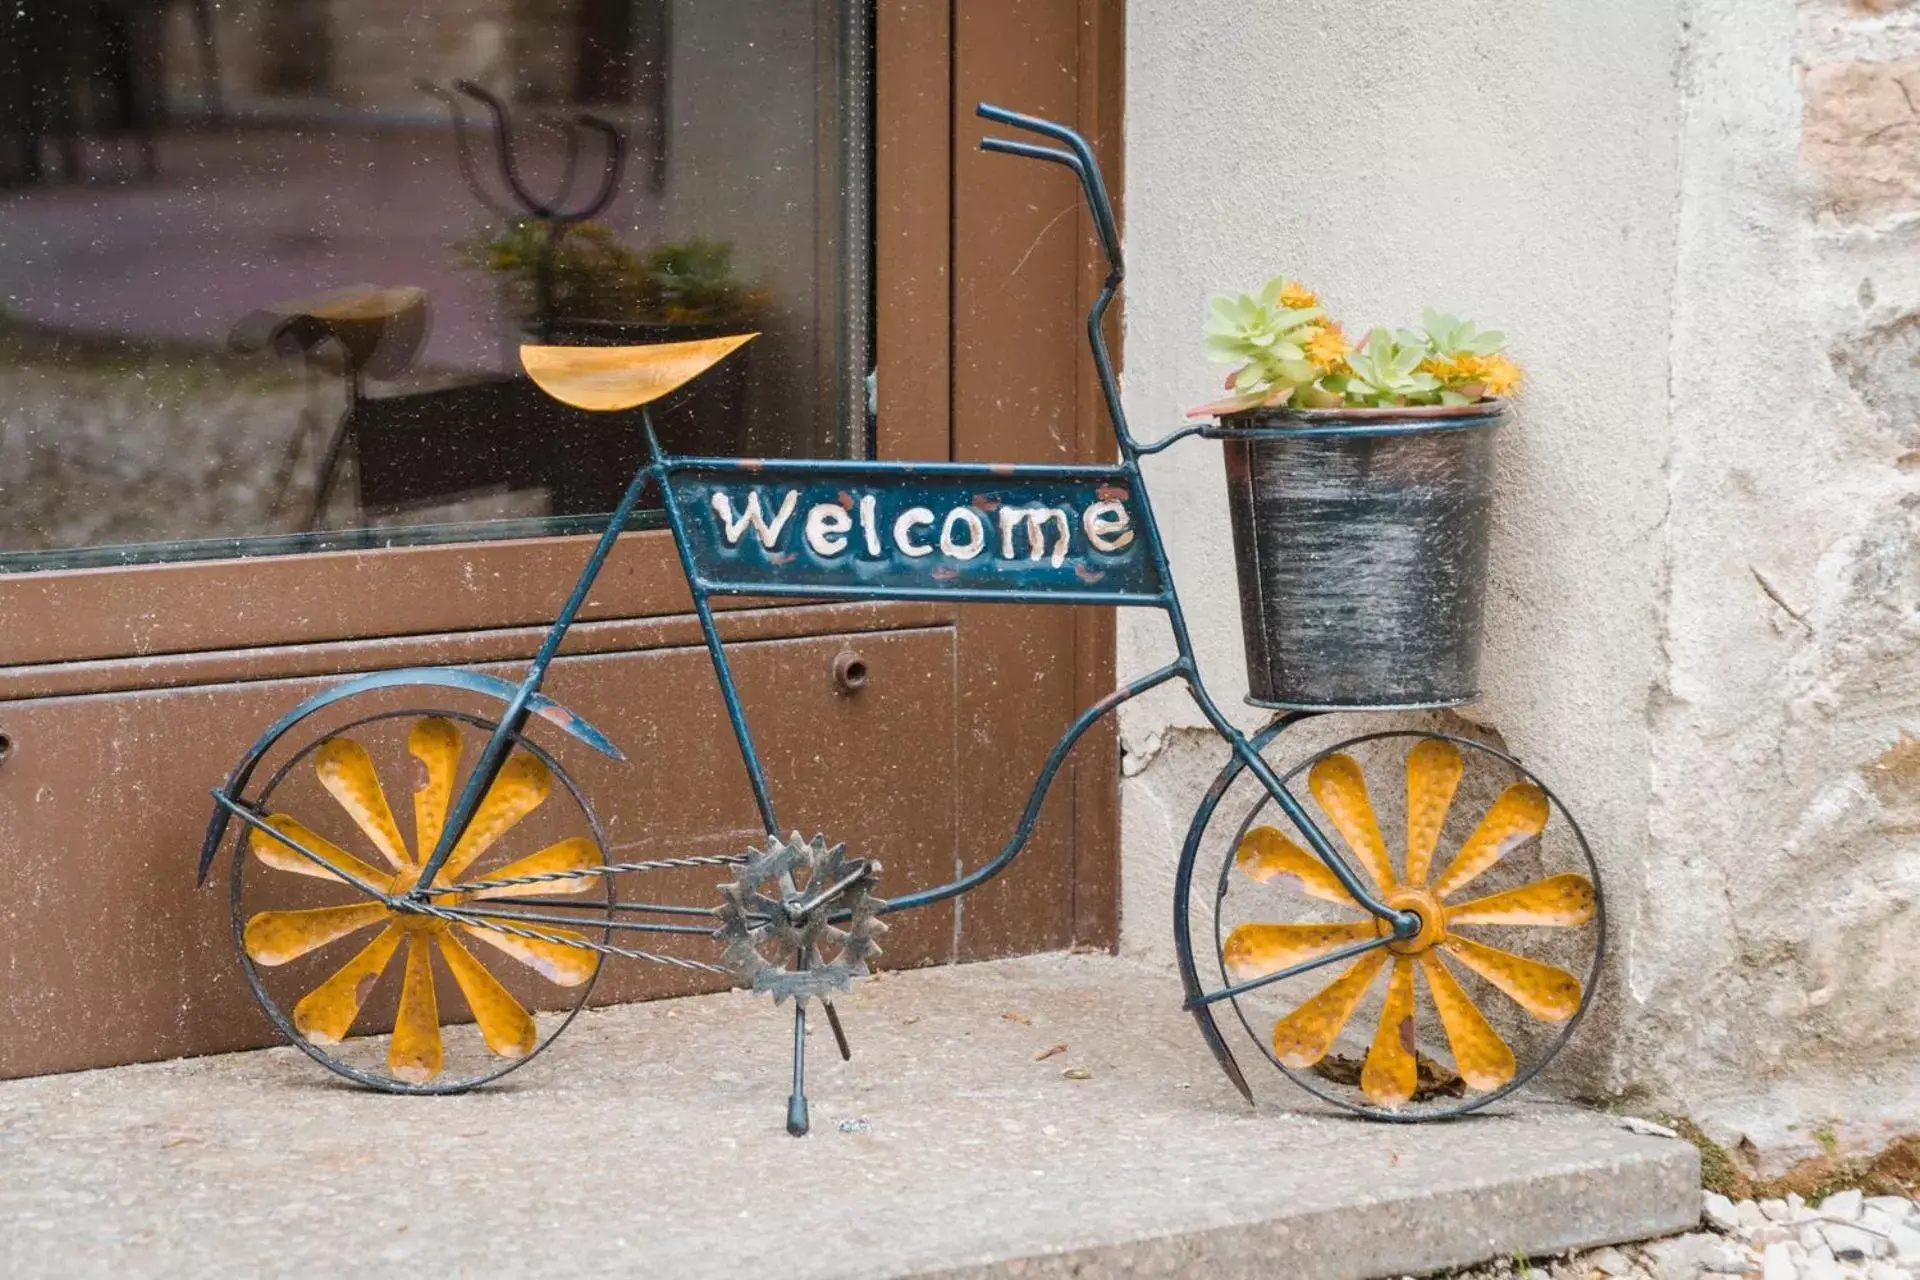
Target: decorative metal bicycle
{"x":1492,"y":906}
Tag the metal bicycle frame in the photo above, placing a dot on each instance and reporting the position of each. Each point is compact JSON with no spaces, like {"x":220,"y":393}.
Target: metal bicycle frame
{"x":523,"y":701}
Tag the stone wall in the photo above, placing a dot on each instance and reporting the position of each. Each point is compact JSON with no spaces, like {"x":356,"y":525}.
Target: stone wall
{"x":1696,"y":220}
{"x":1772,"y":976}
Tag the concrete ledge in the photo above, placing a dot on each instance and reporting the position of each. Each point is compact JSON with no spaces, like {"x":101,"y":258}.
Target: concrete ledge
{"x":648,"y":1141}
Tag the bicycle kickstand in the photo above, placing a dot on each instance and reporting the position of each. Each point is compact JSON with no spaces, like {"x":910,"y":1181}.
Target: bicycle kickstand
{"x":797,"y":1101}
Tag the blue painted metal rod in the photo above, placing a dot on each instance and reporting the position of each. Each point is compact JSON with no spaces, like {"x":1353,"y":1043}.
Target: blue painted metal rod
{"x":493,"y":757}
{"x":774,"y":468}
{"x":254,"y":820}
{"x":988,"y":870}
{"x":1087,"y":169}
{"x":736,"y":715}
{"x":1291,"y":971}
{"x":980,"y":595}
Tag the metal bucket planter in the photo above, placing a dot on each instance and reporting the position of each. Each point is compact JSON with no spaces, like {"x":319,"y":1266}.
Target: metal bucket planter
{"x":1361,"y":540}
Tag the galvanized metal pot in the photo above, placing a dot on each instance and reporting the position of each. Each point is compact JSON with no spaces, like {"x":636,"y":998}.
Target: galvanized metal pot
{"x":1361,"y":540}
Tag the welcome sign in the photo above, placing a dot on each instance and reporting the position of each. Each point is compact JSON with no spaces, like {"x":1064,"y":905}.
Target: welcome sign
{"x":881,"y":529}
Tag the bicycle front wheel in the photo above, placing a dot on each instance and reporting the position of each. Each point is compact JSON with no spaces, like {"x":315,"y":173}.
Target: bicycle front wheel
{"x":1478,"y":1002}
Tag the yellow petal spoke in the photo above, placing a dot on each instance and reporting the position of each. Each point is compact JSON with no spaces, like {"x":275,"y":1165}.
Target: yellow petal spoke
{"x":568,"y":855}
{"x":1546,"y":991}
{"x":1337,"y":784}
{"x":282,"y":857}
{"x":1434,"y":768}
{"x":435,"y":744}
{"x":1256,"y":950}
{"x":521,"y":788}
{"x":1516,"y":817}
{"x":1303,"y":1037}
{"x":325,"y":1015}
{"x":415,"y":1054}
{"x":504,"y":1024}
{"x":275,"y":937}
{"x":1481,"y":1057}
{"x":1558,"y":902}
{"x":1270,"y":857}
{"x":555,"y":961}
{"x":1391,"y":1071}
{"x":346,"y":771}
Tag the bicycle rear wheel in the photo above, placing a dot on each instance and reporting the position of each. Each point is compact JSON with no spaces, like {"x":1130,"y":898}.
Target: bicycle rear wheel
{"x":409,"y":1001}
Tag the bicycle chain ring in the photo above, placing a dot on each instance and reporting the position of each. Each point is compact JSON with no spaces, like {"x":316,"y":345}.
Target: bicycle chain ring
{"x":800,"y":919}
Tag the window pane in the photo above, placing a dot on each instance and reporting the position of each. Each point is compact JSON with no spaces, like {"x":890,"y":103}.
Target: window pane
{"x":252,"y":301}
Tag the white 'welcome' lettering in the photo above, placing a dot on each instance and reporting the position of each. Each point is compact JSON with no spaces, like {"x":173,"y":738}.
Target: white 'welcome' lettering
{"x":734,"y":528}
{"x":852,"y":523}
{"x":1037,"y":519}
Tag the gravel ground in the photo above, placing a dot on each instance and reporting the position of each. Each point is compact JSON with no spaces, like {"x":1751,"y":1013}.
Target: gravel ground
{"x":1847,"y":1235}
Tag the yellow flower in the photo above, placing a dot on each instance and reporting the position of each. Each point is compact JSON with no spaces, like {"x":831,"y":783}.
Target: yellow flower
{"x":1500,"y":375}
{"x":1327,"y":348}
{"x":1296,"y":295}
{"x":1448,"y":371}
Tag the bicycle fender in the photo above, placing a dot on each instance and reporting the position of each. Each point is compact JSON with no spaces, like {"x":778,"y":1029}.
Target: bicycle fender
{"x":495,"y":687}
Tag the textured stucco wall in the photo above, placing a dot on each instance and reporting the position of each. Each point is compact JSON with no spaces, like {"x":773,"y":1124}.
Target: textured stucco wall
{"x":1694,"y":219}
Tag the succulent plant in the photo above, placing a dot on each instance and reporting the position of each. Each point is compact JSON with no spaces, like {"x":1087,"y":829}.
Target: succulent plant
{"x":1267,"y":337}
{"x":1451,"y":336}
{"x":1287,"y":352}
{"x":1386,"y":371}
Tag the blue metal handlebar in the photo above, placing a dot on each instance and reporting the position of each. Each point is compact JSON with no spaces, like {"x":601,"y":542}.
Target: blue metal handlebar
{"x":1078,"y":157}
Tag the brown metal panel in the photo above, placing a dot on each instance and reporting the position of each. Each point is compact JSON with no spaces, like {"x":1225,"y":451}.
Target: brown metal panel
{"x":111,"y":955}
{"x":457,"y":648}
{"x":1096,"y":779}
{"x":1018,"y":247}
{"x":81,"y":614}
{"x":913,"y":227}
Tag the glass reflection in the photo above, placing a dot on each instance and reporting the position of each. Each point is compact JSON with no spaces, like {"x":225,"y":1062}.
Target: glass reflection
{"x":264,"y":266}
